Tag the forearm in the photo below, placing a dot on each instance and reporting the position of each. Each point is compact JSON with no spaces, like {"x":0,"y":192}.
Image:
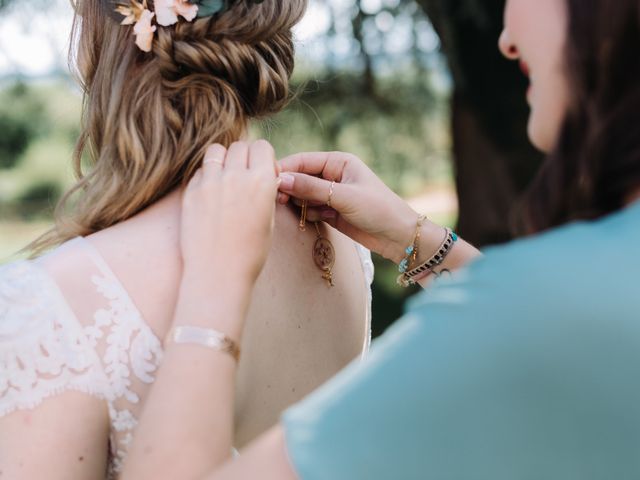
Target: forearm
{"x":186,"y":427}
{"x":265,"y":458}
{"x":429,"y":242}
{"x":460,"y":255}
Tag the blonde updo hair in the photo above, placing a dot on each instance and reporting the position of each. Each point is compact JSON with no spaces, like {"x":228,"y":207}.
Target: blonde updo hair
{"x":149,"y":117}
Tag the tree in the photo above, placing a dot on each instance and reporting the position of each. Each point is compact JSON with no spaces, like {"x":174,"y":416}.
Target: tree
{"x":493,"y":158}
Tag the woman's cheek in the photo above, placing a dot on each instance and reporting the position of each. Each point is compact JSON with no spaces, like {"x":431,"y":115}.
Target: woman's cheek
{"x":549,"y":103}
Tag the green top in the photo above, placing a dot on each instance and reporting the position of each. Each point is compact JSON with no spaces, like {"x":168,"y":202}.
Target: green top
{"x":522,"y":366}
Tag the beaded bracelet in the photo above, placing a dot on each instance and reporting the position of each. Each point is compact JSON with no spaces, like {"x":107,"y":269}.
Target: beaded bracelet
{"x":412,"y":250}
{"x":409,"y":277}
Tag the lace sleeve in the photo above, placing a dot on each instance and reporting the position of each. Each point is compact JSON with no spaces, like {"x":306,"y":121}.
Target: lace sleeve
{"x":43,"y":349}
{"x":369,"y":272}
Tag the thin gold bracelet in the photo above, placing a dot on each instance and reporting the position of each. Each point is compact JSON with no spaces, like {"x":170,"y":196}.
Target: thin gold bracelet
{"x":412,"y":250}
{"x":206,"y":337}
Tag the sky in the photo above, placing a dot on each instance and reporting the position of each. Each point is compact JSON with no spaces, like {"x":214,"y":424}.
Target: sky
{"x":34,"y":41}
{"x":34,"y":35}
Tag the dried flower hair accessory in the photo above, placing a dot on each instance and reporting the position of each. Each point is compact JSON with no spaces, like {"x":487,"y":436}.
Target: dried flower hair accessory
{"x":140,"y":16}
{"x":166,"y":14}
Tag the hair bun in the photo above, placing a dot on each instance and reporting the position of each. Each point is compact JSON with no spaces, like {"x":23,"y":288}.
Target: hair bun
{"x":148,"y":118}
{"x":258,"y":73}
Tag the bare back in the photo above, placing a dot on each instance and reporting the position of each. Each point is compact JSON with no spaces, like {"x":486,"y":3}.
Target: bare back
{"x":299,"y":330}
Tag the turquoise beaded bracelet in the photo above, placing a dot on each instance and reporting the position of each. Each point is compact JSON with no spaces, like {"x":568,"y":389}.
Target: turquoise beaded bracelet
{"x":407,"y":277}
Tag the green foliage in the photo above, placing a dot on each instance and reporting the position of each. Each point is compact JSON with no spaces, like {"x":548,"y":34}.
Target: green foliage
{"x":21,"y":121}
{"x":397,"y":130}
{"x":40,"y":198}
{"x":206,"y":8}
{"x":39,"y":124}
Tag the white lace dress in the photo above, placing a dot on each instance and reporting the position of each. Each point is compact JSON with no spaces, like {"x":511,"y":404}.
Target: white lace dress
{"x":93,"y":341}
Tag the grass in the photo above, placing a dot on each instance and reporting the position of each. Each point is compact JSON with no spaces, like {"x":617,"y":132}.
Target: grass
{"x":16,"y":234}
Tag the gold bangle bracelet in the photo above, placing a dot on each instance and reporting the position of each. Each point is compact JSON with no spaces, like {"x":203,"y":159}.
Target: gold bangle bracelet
{"x":205,"y":337}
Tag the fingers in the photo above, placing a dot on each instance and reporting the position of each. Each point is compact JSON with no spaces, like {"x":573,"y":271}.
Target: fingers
{"x":258,"y":156}
{"x":329,"y":165}
{"x":322,"y":214}
{"x":262,"y":157}
{"x":195,"y":179}
{"x":214,"y":160}
{"x":237,"y":156}
{"x":313,"y":189}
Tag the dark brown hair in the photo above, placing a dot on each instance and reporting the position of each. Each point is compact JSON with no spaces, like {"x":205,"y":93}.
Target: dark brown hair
{"x":596,"y":164}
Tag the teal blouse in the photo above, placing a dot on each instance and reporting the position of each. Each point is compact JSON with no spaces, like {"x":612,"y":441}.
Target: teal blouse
{"x":525,"y":365}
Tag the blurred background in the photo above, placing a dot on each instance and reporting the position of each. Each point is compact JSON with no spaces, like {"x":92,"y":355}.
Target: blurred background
{"x":416,"y":88}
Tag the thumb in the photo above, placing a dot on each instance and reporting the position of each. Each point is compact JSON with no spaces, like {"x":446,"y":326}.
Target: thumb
{"x":313,"y":189}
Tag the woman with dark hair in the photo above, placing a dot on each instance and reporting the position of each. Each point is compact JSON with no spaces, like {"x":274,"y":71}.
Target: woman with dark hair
{"x":524,"y":363}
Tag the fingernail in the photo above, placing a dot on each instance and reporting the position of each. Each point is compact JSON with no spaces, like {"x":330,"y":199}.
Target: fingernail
{"x":286,"y":181}
{"x":328,"y":214}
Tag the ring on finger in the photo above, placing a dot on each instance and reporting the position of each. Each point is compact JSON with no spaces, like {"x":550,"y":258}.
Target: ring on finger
{"x":216,"y":160}
{"x":333,"y":184}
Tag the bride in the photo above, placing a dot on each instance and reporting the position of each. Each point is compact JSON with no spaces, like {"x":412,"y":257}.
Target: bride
{"x":83,"y":322}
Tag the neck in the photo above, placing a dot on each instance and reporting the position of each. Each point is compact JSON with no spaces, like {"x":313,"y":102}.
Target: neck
{"x":158,"y":225}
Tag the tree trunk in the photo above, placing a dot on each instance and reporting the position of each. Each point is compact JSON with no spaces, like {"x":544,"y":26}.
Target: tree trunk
{"x":494,"y":161}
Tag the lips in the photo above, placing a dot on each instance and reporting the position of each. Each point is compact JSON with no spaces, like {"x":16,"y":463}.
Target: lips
{"x":525,"y":68}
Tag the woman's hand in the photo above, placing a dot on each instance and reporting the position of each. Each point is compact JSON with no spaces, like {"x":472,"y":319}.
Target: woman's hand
{"x":362,"y":206}
{"x":228,"y":212}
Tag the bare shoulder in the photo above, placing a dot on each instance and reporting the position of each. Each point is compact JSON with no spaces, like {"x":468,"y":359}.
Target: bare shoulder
{"x":144,"y":253}
{"x":66,"y":437}
{"x":289,"y":240}
{"x":54,"y":421}
{"x":300,"y":331}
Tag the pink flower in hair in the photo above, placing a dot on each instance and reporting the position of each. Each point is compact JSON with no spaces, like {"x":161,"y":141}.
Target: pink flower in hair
{"x":167,"y":11}
{"x":144,"y":31}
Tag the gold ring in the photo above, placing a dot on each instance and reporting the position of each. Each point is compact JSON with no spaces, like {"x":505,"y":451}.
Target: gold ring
{"x":333,"y":184}
{"x":215,"y":160}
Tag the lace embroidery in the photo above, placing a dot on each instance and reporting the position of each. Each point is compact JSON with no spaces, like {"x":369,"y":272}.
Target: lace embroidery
{"x":131,"y":346}
{"x":367,"y":264}
{"x":130,"y":343}
{"x":124,"y":423}
{"x":43,"y":350}
{"x":369,"y":273}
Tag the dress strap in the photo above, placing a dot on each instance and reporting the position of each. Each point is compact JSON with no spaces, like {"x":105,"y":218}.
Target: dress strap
{"x":96,"y":257}
{"x":368,"y":270}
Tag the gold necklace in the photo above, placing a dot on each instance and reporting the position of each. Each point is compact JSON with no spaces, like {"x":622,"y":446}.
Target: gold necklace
{"x":324,"y":255}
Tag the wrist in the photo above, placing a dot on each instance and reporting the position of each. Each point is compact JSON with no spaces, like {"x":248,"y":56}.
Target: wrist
{"x":402,"y":236}
{"x":430,"y":239}
{"x":210,"y":275}
{"x":213,"y":299}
